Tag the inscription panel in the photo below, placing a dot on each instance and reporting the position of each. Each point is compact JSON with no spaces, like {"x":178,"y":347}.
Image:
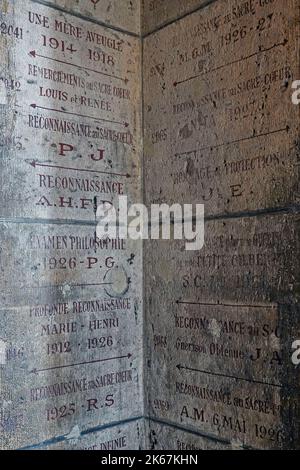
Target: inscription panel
{"x":220,"y":355}
{"x":70,"y":108}
{"x":219,"y":84}
{"x":250,"y":259}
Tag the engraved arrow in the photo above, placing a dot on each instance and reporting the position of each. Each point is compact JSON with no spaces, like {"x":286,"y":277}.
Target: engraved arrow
{"x":34,"y":164}
{"x":35,"y":106}
{"x":207,"y":304}
{"x":190,"y":369}
{"x":36,"y":371}
{"x":35,"y":54}
{"x":260,"y":51}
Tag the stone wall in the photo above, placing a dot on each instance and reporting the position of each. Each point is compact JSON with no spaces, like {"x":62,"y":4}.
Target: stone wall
{"x":221,"y":130}
{"x":113,"y":344}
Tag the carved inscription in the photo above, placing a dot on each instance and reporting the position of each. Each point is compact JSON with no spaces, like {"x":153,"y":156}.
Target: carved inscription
{"x":221,"y":86}
{"x":159,"y":12}
{"x":71,"y":137}
{"x":124,"y":14}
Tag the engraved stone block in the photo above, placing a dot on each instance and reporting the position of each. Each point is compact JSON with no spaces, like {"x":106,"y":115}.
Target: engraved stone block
{"x":220,"y":126}
{"x":124,"y":14}
{"x":71,"y":115}
{"x":120,"y":438}
{"x":69,"y":365}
